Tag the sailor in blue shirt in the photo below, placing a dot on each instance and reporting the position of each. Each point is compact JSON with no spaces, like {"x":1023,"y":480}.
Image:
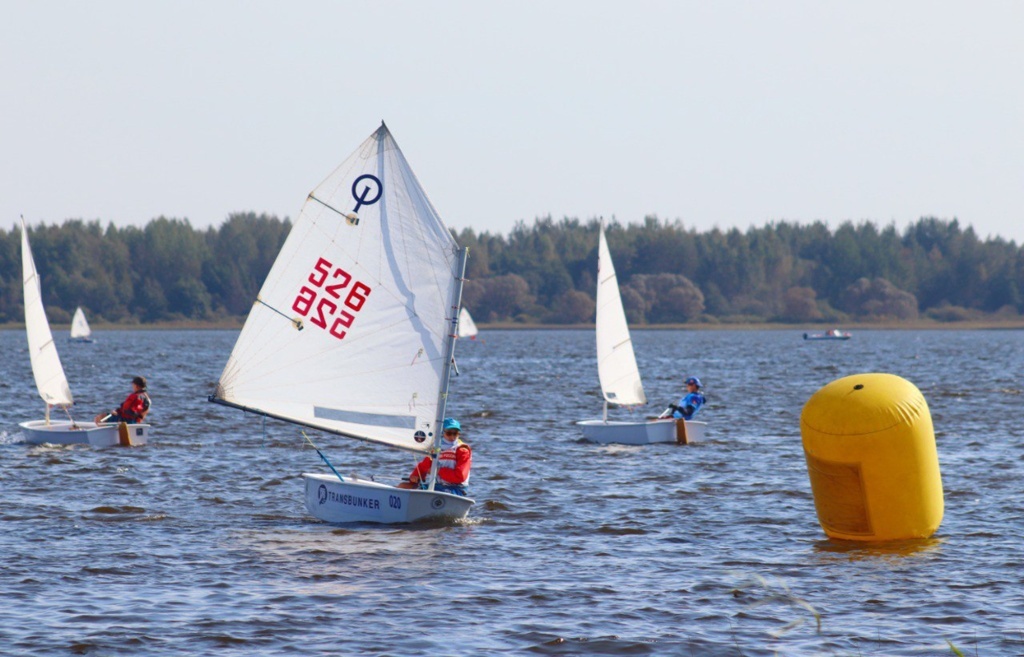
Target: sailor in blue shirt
{"x":691,"y":402}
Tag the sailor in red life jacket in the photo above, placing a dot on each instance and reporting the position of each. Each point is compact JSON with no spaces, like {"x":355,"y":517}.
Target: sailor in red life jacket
{"x":453,"y":463}
{"x":134,"y":408}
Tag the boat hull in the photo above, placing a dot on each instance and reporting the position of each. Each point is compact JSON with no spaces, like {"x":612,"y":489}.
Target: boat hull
{"x":38,"y":432}
{"x":358,"y":500}
{"x":640,"y":433}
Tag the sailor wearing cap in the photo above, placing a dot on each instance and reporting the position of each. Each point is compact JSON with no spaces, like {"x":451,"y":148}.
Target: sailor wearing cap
{"x":453,"y":463}
{"x":691,"y":402}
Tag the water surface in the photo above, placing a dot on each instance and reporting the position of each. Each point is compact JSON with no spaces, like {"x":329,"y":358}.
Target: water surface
{"x":199,"y":542}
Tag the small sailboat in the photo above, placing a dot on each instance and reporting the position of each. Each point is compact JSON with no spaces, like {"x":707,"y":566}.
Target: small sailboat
{"x":619,"y":374}
{"x":467,"y":327}
{"x":831,"y":334}
{"x":52,"y":383}
{"x":353,"y":332}
{"x":80,"y":331}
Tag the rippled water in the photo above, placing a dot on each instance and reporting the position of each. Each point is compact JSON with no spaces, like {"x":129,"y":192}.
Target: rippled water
{"x":199,"y":542}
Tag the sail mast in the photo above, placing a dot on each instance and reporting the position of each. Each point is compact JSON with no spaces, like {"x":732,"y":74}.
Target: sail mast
{"x":446,"y":375}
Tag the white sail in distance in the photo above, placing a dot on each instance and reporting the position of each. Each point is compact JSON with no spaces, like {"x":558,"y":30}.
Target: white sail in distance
{"x":467,"y":327}
{"x":46,"y":368}
{"x":369,"y":272}
{"x":616,"y":362}
{"x":79,"y":326}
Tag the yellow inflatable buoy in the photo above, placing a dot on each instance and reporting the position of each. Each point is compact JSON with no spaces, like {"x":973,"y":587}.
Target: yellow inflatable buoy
{"x":871,"y":457}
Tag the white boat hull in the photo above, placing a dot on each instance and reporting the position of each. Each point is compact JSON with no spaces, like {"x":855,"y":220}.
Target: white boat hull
{"x":38,"y":432}
{"x":641,"y":433}
{"x":359,"y":500}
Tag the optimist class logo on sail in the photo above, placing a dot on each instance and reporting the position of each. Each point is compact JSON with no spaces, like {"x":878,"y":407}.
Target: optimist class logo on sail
{"x":320,"y":303}
{"x":360,"y":198}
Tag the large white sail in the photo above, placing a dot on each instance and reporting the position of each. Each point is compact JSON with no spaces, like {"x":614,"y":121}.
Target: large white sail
{"x":370,"y":273}
{"x":49,"y":374}
{"x":467,"y":327}
{"x":616,"y":363}
{"x":79,"y":327}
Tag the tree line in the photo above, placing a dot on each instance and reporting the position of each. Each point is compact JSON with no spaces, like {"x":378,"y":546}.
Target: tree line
{"x":782,"y":271}
{"x":546,"y":272}
{"x":166,"y":271}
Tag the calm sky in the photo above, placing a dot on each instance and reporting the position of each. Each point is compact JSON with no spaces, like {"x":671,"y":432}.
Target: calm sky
{"x":716,"y":113}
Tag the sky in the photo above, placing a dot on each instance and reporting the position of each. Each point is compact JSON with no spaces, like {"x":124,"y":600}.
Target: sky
{"x":719,"y":114}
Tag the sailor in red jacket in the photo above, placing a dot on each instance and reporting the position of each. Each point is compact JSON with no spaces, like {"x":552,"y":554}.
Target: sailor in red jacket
{"x":134,"y":408}
{"x":453,"y":463}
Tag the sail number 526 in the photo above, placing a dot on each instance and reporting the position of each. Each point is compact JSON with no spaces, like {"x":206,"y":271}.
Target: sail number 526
{"x":328,"y":309}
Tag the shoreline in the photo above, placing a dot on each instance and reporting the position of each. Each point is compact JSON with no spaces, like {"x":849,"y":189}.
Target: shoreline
{"x":915,"y":325}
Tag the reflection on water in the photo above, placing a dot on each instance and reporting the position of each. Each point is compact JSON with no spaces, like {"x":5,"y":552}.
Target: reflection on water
{"x":896,"y":550}
{"x":200,"y":542}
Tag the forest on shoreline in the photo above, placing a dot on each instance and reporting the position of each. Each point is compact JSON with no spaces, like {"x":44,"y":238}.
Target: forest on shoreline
{"x":933,"y":271}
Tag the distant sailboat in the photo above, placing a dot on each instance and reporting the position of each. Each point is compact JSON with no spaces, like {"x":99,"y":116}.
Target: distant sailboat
{"x":51,"y":382}
{"x":467,"y":327}
{"x":831,"y":334}
{"x":80,"y":331}
{"x":354,"y":329}
{"x":618,"y":371}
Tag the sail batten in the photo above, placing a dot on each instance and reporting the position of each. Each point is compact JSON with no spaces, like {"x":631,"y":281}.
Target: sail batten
{"x":311,"y":425}
{"x":51,"y":382}
{"x":616,"y":362}
{"x":370,"y":270}
{"x":326,"y":205}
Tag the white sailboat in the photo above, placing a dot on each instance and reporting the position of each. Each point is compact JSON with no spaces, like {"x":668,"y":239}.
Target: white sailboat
{"x":619,"y":374}
{"x":354,"y":329}
{"x":467,"y":327}
{"x":51,"y":381}
{"x":80,"y":331}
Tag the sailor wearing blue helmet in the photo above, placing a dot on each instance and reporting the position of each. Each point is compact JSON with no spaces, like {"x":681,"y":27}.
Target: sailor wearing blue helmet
{"x":691,"y":402}
{"x":453,"y":463}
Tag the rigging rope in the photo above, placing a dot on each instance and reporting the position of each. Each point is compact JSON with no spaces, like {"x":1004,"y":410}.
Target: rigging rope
{"x":340,"y":478}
